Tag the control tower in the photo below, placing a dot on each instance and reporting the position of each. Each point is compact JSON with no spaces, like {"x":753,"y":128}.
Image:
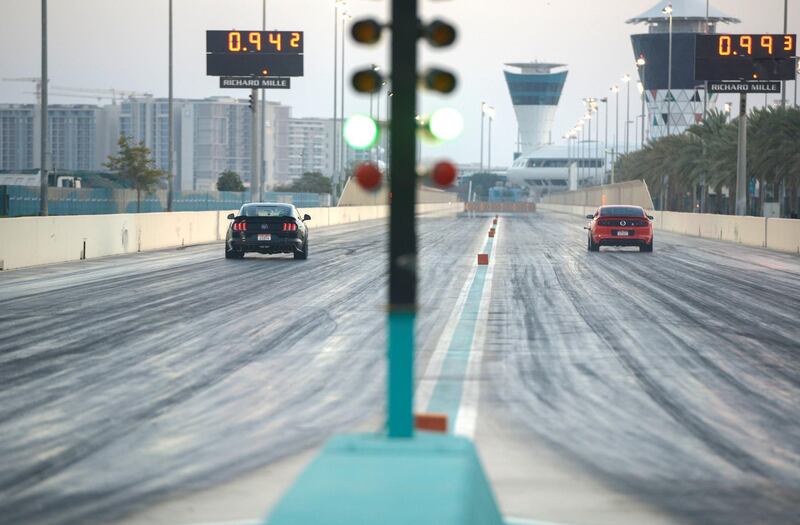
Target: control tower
{"x":685,"y":107}
{"x":535,"y":90}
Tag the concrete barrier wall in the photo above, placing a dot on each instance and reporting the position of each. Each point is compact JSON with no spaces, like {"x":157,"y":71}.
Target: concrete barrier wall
{"x":355,"y":195}
{"x":632,"y":192}
{"x":32,"y":241}
{"x":781,"y":235}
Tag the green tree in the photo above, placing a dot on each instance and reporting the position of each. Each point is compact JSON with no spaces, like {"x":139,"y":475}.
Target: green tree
{"x":134,"y":164}
{"x":310,"y":182}
{"x":229,"y":181}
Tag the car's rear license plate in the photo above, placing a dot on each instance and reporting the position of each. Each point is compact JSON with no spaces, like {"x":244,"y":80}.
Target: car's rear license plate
{"x":264,"y":236}
{"x":621,"y":233}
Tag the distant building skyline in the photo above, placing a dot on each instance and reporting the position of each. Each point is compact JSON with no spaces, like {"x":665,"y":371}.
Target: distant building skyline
{"x":211,"y":136}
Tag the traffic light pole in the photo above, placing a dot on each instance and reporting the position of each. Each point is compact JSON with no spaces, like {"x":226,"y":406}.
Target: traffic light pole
{"x":403,"y":240}
{"x":741,"y":161}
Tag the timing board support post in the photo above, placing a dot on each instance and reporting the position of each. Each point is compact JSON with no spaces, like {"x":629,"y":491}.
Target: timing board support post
{"x":255,"y":187}
{"x":741,"y":160}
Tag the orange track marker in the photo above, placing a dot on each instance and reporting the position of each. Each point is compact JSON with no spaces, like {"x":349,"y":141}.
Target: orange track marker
{"x":431,"y":422}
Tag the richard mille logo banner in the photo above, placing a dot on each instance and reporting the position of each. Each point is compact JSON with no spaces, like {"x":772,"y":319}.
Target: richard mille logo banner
{"x":748,"y":86}
{"x":255,"y":82}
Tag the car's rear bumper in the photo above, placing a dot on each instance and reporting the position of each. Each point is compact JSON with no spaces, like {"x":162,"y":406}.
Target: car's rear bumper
{"x":273,"y":246}
{"x":634,"y":238}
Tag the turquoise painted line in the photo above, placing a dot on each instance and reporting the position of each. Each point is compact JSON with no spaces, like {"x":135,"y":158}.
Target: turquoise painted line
{"x":446,"y":397}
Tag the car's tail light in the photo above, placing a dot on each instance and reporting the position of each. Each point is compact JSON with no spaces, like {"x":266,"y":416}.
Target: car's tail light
{"x":239,"y":226}
{"x":289,"y":227}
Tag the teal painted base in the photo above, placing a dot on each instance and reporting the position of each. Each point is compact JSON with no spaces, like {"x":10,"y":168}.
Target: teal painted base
{"x":430,"y":479}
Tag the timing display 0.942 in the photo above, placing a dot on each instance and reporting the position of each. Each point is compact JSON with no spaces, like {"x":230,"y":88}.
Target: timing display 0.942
{"x":238,"y":42}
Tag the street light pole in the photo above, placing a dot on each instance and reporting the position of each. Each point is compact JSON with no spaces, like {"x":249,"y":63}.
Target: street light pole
{"x":489,"y":151}
{"x":615,"y":90}
{"x":785,"y":30}
{"x":604,"y":100}
{"x":668,"y":11}
{"x":170,"y":135}
{"x":642,"y":63}
{"x":43,"y":81}
{"x":342,"y":150}
{"x":627,"y":79}
{"x":335,"y":167}
{"x":483,"y":113}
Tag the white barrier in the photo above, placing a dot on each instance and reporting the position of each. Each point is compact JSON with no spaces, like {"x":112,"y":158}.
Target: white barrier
{"x":32,"y":241}
{"x":781,"y":235}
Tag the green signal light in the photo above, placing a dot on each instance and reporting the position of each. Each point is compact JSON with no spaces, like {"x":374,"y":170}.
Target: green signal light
{"x":360,"y":132}
{"x":446,"y":124}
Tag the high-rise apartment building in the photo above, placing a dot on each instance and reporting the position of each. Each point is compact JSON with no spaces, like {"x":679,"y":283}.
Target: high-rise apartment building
{"x":80,"y":136}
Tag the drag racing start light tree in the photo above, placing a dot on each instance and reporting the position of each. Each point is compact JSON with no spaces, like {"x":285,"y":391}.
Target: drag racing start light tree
{"x":406,"y":30}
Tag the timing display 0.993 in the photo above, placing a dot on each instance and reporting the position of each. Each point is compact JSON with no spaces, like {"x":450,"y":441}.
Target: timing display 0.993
{"x":748,"y":46}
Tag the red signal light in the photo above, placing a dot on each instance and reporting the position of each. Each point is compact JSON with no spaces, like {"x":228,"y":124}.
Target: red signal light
{"x":239,"y":226}
{"x":444,"y":174}
{"x":289,"y":227}
{"x":368,"y":176}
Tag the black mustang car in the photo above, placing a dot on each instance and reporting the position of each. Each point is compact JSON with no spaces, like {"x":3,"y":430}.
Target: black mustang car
{"x":267,"y":227}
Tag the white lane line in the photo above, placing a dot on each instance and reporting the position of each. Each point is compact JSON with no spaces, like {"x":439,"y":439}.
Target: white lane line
{"x":467,"y":418}
{"x":427,"y":382}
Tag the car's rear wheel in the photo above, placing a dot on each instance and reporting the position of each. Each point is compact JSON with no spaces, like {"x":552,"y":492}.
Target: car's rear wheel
{"x":233,"y":254}
{"x":646,"y":247}
{"x":592,"y":246}
{"x":302,"y":254}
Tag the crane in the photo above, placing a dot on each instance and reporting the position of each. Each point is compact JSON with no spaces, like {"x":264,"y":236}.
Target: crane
{"x":67,"y":91}
{"x":101,"y":93}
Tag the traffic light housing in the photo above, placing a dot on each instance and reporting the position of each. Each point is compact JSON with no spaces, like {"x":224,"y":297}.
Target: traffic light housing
{"x":367,"y":81}
{"x":440,"y":34}
{"x":367,"y":31}
{"x":251,"y":101}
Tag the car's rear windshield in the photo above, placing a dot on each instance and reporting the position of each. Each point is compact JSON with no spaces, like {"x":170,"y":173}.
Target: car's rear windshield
{"x":277,"y":210}
{"x":621,"y":211}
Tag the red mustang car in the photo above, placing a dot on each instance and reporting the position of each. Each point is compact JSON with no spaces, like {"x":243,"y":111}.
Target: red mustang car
{"x":620,"y":226}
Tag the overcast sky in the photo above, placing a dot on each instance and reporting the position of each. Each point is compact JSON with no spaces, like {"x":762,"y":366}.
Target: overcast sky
{"x":123,"y":45}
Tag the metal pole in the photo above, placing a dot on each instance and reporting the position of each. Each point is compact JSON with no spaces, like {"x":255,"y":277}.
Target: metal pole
{"x":335,"y":170}
{"x":669,"y":79}
{"x":785,"y":30}
{"x":644,"y":98}
{"x":741,"y":160}
{"x":262,"y":164}
{"x":403,"y":241}
{"x":482,"y":115}
{"x":605,"y":144}
{"x":589,"y":148}
{"x":627,"y":116}
{"x":342,"y":150}
{"x":170,"y":139}
{"x":255,"y":190}
{"x":43,"y":138}
{"x":616,"y":135}
{"x":580,"y":155}
{"x":489,"y":151}
{"x":595,"y":162}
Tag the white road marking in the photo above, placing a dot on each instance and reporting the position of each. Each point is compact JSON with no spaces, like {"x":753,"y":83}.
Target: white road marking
{"x":467,"y":418}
